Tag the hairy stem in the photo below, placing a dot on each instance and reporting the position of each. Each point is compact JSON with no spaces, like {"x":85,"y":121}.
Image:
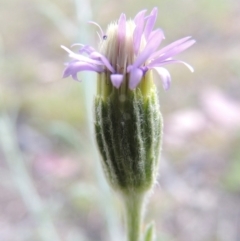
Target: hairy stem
{"x":134,"y":205}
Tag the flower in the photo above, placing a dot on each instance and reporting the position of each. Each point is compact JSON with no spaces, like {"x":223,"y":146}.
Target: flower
{"x":135,"y":52}
{"x":128,"y":122}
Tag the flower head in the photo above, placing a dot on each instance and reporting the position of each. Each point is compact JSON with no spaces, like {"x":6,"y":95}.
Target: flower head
{"x":129,"y":48}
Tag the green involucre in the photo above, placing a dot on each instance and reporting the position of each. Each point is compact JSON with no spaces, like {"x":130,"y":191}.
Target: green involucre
{"x":128,"y":133}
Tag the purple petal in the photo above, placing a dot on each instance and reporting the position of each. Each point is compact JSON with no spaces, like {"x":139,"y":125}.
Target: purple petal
{"x":139,"y":16}
{"x":121,"y":28}
{"x":75,"y":77}
{"x":129,"y":68}
{"x":170,"y":46}
{"x":116,"y":79}
{"x":103,"y":59}
{"x":86,"y":49}
{"x":157,"y":30}
{"x":138,"y":31}
{"x":81,"y":58}
{"x":171,"y":62}
{"x":174,"y":51}
{"x":165,"y":75}
{"x":149,"y":49}
{"x":150,"y":23}
{"x":136,"y":75}
{"x":73,"y":68}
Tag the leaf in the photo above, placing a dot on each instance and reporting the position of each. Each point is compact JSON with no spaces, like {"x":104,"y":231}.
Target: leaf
{"x":150,"y":232}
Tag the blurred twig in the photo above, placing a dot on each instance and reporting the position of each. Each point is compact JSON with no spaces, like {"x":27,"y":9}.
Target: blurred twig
{"x":1,"y":53}
{"x":23,"y":180}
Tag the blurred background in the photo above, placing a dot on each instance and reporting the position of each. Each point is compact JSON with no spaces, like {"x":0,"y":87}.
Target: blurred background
{"x":51,"y":184}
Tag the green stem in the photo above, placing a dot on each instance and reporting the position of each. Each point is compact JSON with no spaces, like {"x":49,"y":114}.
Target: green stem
{"x":134,"y":214}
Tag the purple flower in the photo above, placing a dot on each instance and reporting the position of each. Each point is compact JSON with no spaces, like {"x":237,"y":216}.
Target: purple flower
{"x":129,"y":48}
